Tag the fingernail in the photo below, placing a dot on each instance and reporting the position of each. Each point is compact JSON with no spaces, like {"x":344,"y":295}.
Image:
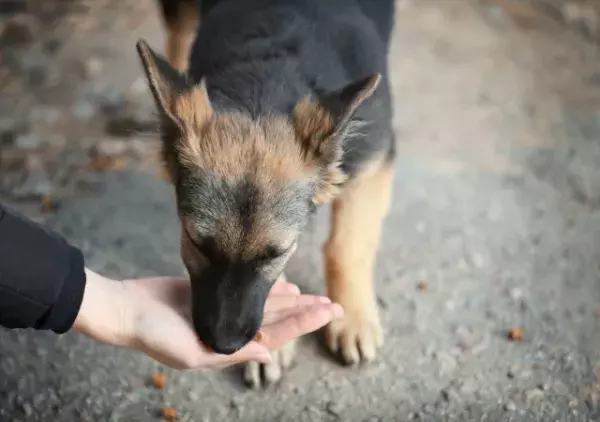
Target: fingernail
{"x":324,"y":299}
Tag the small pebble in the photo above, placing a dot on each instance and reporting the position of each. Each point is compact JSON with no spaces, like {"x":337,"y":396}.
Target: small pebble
{"x":534,"y":394}
{"x":511,"y":373}
{"x":478,"y":260}
{"x":83,"y":110}
{"x":112,"y":147}
{"x":92,"y":67}
{"x":28,"y":141}
{"x":333,"y":409}
{"x":510,"y":406}
{"x":27,"y":409}
{"x":516,"y":294}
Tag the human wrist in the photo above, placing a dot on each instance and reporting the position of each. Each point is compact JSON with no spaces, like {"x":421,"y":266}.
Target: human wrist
{"x":103,"y":315}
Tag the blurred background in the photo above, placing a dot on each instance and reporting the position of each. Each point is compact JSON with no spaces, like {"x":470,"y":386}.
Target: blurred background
{"x":495,"y":224}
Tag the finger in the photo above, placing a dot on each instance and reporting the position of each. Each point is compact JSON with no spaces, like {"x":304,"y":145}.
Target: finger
{"x":274,"y":317}
{"x":313,"y":318}
{"x":253,"y":351}
{"x":284,"y":288}
{"x":278,"y":303}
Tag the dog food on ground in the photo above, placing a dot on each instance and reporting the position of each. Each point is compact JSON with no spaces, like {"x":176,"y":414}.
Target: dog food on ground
{"x":169,"y":414}
{"x":422,"y":286}
{"x":159,"y":380}
{"x":516,"y":334}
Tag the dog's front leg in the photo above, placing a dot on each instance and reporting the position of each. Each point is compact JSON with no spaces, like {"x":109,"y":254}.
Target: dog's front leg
{"x":350,"y":254}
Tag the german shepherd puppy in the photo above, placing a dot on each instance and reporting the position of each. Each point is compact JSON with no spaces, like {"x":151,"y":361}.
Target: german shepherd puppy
{"x":269,"y":108}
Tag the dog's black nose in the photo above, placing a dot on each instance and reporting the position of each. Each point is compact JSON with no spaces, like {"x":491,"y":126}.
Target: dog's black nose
{"x":225,"y":340}
{"x":223,"y":344}
{"x":228,"y":315}
{"x":227,"y":347}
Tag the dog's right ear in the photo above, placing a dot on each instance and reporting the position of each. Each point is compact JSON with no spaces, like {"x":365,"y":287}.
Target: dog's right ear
{"x":322,"y":127}
{"x":176,"y":98}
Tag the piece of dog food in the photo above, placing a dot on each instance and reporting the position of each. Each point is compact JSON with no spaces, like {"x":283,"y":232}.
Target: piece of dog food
{"x":159,"y":381}
{"x":259,"y":336}
{"x":48,"y":203}
{"x":169,"y":414}
{"x":516,"y":334}
{"x":422,"y":286}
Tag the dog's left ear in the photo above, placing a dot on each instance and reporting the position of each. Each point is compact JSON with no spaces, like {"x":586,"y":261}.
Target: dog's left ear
{"x":178,"y":101}
{"x":322,"y":126}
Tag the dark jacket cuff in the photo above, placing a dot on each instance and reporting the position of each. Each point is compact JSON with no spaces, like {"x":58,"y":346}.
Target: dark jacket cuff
{"x":62,"y":315}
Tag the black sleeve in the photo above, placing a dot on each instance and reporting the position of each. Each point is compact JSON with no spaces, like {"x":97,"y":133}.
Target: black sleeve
{"x":42,"y":277}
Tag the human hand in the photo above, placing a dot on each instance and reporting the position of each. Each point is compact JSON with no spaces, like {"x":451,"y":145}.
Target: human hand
{"x":153,"y":316}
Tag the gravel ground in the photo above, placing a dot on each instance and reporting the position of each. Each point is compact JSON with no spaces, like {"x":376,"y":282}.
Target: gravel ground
{"x":496,"y":211}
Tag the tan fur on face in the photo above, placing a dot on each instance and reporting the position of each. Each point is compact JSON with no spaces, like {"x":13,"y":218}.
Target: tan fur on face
{"x":235,"y":148}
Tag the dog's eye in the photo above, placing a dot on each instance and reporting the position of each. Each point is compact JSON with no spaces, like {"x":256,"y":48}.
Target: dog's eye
{"x":273,"y":252}
{"x":270,"y":253}
{"x":206,"y":246}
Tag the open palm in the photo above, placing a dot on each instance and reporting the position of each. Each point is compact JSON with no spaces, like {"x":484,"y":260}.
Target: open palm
{"x":161,"y":326}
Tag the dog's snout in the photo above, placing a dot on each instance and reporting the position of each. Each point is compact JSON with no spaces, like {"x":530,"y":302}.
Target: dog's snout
{"x":227,"y":346}
{"x":227,"y":349}
{"x":226,"y":338}
{"x":227,"y":315}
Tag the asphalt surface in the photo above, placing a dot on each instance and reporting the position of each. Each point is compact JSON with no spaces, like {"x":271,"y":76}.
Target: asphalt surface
{"x":496,"y":208}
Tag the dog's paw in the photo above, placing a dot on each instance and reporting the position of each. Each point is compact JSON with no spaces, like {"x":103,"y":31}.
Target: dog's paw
{"x":257,"y":375}
{"x":357,"y":336}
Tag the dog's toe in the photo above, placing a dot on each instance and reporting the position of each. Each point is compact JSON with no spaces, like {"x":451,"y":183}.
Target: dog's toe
{"x":272,"y":370}
{"x":252,"y":374}
{"x":356,"y":337}
{"x":257,"y":375}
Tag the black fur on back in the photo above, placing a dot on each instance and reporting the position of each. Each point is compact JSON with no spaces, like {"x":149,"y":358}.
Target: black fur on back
{"x":262,"y":56}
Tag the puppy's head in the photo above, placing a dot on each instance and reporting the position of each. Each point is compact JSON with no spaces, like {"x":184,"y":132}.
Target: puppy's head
{"x":244,"y":189}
